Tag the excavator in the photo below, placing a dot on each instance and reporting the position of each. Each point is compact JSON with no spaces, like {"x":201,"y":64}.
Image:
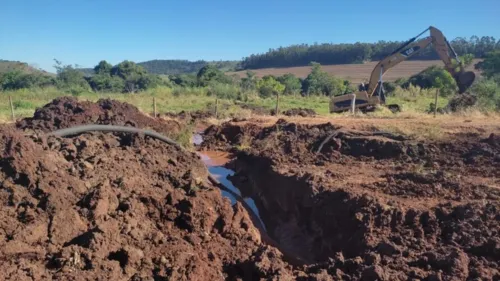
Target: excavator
{"x":372,"y":94}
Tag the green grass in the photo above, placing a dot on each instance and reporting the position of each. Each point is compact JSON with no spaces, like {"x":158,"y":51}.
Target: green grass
{"x":188,"y":99}
{"x":317,"y":103}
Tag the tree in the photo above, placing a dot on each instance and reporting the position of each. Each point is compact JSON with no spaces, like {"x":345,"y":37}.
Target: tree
{"x":184,"y":80}
{"x":103,"y":68}
{"x":435,"y":77}
{"x":135,"y":77}
{"x":292,"y":84}
{"x":491,"y":64}
{"x":319,"y":82}
{"x":104,"y":82}
{"x":269,"y":86}
{"x":249,"y":83}
{"x":210,"y":73}
{"x":69,"y":77}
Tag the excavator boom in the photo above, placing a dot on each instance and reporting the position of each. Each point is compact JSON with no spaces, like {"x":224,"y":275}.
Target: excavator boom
{"x":372,"y":93}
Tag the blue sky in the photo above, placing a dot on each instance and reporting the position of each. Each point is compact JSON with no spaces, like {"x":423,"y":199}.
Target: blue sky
{"x":84,"y":32}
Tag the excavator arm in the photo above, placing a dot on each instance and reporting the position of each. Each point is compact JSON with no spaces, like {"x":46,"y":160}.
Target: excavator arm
{"x":367,"y":98}
{"x":442,"y":47}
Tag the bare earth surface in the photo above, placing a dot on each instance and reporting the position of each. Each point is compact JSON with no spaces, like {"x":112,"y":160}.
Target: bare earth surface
{"x":370,"y":204}
{"x":346,"y":197}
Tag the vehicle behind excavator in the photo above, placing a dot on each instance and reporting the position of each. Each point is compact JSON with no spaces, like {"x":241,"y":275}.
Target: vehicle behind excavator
{"x":373,"y":94}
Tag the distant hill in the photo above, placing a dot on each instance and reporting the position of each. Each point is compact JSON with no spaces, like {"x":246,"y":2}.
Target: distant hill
{"x":7,"y":66}
{"x":169,"y":67}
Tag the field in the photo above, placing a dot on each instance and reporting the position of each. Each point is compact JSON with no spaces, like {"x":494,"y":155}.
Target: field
{"x":26,"y":101}
{"x":356,"y":73}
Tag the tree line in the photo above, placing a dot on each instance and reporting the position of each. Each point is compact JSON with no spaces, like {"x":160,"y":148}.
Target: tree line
{"x":126,"y":77}
{"x":173,"y":67}
{"x":327,"y":53}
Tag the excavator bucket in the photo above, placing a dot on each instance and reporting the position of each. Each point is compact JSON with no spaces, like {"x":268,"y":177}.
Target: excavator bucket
{"x":465,"y":80}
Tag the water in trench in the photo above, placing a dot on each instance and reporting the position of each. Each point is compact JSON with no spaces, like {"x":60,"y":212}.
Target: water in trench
{"x":215,"y":161}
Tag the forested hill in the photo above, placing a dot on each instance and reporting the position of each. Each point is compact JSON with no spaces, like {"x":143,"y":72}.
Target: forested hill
{"x":9,"y":66}
{"x":170,"y":67}
{"x":301,"y":55}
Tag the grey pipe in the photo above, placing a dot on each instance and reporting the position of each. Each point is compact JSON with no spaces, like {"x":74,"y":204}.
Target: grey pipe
{"x":112,"y":128}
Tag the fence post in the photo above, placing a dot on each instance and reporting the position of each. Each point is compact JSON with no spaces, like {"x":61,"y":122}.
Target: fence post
{"x":216,"y":108}
{"x":277,"y":109}
{"x":436,"y":103}
{"x":353,"y":104}
{"x":154,"y":107}
{"x":12,"y":110}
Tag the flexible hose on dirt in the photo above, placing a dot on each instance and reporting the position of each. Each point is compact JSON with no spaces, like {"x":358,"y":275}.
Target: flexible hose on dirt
{"x":112,"y":128}
{"x":291,"y":258}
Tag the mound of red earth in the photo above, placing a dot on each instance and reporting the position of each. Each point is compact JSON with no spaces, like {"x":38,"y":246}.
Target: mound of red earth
{"x":67,"y":112}
{"x":102,"y":206}
{"x":191,"y":116}
{"x":460,"y":102}
{"x":373,"y":205}
{"x":304,"y":112}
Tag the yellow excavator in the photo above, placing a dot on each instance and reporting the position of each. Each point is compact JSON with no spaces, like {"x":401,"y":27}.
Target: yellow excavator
{"x":373,"y":94}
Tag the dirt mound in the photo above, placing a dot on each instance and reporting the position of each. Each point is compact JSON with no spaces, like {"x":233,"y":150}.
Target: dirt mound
{"x":461,"y":102}
{"x":191,"y":116}
{"x":255,"y":109}
{"x":116,"y":208}
{"x":228,"y":135}
{"x":304,"y":112}
{"x":66,"y":112}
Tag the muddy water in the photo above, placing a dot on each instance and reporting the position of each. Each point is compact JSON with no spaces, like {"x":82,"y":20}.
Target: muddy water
{"x":215,"y":161}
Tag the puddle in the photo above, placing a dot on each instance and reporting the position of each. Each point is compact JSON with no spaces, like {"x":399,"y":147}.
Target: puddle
{"x":215,"y":161}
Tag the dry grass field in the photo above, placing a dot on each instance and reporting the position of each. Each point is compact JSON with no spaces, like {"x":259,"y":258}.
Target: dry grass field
{"x":356,"y":73}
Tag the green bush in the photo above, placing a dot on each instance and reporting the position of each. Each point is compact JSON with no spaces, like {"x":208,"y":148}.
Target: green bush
{"x":491,"y":64}
{"x":268,"y":86}
{"x":319,"y":82}
{"x":435,"y":77}
{"x":292,"y":84}
{"x":223,"y":91}
{"x":15,"y":80}
{"x":487,"y":92}
{"x":106,"y":82}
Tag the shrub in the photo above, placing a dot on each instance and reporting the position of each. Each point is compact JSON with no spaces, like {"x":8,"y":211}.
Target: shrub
{"x":319,"y":82}
{"x":487,"y":92}
{"x":292,"y":84}
{"x":435,"y":77}
{"x":268,"y":86}
{"x":223,"y":91}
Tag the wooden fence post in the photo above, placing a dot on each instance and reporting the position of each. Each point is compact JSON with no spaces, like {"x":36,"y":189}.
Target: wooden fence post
{"x":277,"y":109}
{"x":353,"y":104}
{"x":154,"y":107}
{"x":12,"y":110}
{"x":436,"y":103}
{"x":216,"y":108}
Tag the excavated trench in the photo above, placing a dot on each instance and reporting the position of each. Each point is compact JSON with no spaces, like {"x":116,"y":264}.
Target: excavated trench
{"x":215,"y":162}
{"x":286,"y":208}
{"x":371,"y":200}
{"x":302,"y":223}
